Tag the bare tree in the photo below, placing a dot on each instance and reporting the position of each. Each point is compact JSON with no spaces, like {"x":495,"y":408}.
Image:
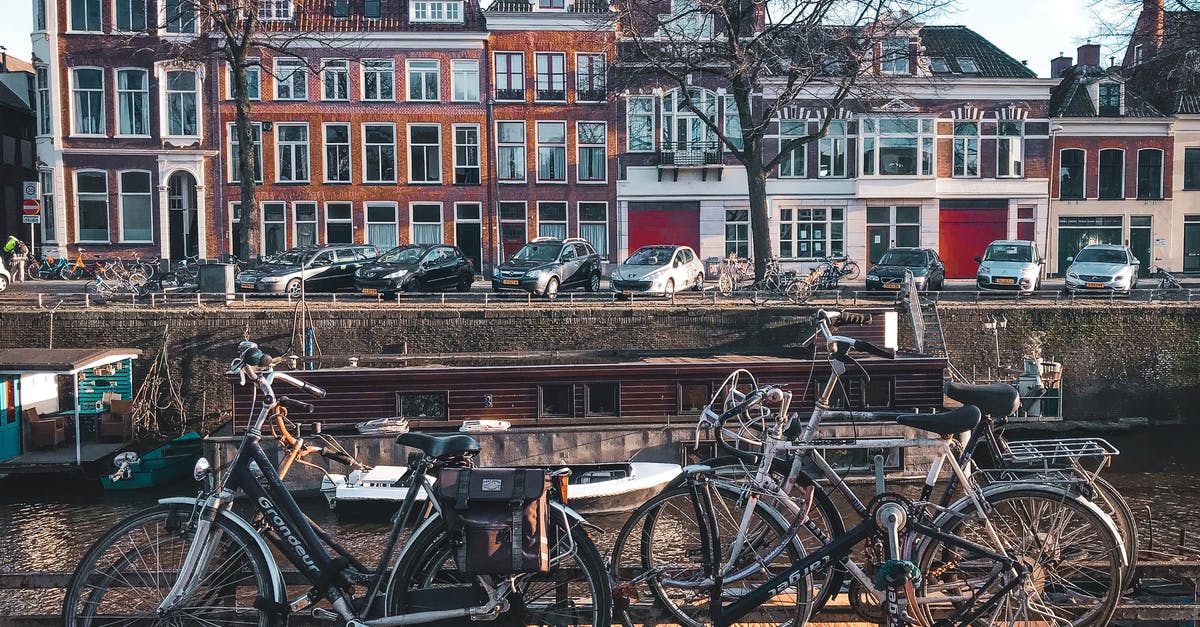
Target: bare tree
{"x":769,"y":57}
{"x":1158,"y":45}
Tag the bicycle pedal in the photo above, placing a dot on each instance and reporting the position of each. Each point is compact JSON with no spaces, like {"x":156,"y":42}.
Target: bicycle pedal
{"x":323,"y":614}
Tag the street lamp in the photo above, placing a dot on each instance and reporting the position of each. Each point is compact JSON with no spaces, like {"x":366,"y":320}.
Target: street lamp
{"x":995,"y":324}
{"x":1054,"y":174}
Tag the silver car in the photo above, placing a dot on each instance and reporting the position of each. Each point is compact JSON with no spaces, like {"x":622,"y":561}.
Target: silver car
{"x":1103,"y":267}
{"x":659,"y":269}
{"x":1010,"y":265}
{"x":5,"y":277}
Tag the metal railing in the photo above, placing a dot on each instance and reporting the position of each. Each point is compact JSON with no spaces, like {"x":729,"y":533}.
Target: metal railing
{"x":690,"y":154}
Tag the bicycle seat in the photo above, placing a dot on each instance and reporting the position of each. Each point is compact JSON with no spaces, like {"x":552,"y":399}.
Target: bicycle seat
{"x":994,"y":399}
{"x":944,"y":423}
{"x":434,"y":446}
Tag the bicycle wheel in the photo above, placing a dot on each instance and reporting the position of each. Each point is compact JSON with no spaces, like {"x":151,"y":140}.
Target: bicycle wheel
{"x":798,"y":291}
{"x":575,"y":591}
{"x":850,"y":270}
{"x":1070,"y":550}
{"x":71,"y":272}
{"x":656,"y":556}
{"x":129,"y":571}
{"x":725,"y":285}
{"x":1111,"y":502}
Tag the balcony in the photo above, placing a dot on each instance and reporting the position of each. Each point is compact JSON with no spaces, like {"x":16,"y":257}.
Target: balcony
{"x":591,"y":95}
{"x":511,"y":6}
{"x":589,"y":6}
{"x":551,"y":95}
{"x":690,"y":155}
{"x":510,"y":94}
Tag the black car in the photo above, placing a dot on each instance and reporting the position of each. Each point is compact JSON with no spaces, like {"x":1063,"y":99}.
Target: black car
{"x":927,"y":269}
{"x":547,"y":265}
{"x":416,"y":268}
{"x":321,"y":268}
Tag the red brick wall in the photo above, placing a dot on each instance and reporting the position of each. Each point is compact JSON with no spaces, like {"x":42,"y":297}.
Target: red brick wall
{"x":1130,"y":144}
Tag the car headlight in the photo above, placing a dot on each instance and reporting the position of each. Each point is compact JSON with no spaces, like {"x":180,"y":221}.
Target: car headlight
{"x":533,"y":274}
{"x":985,"y":269}
{"x":1072,"y":275}
{"x":395,"y":275}
{"x":271,"y":279}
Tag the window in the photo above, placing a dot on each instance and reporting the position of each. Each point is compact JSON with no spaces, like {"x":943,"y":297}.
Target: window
{"x":1149,"y":173}
{"x":639,"y":118}
{"x":551,"y":76}
{"x":427,"y":224}
{"x":1110,"y":99}
{"x":253,"y":80}
{"x":903,"y":225}
{"x":379,"y":147}
{"x":968,"y":65}
{"x":1191,"y":168}
{"x":966,"y":149}
{"x":235,"y":157}
{"x":337,"y":153}
{"x":305,"y":222}
{"x":133,"y":102}
{"x":688,"y":20}
{"x":893,"y":58}
{"x":291,"y":145}
{"x":550,"y":4}
{"x":682,"y":129}
{"x":423,"y":79}
{"x":381,"y":225}
{"x":792,"y":164}
{"x":590,"y":79}
{"x":341,"y":9}
{"x":897,"y":147}
{"x":552,"y":219}
{"x":275,"y":10}
{"x":136,"y":212}
{"x":737,"y":232}
{"x":43,"y":101}
{"x":693,"y":397}
{"x":85,"y":16}
{"x":1070,"y":174}
{"x":435,"y":11}
{"x":592,"y":141}
{"x":371,"y":8}
{"x":180,"y":17}
{"x":235,"y":233}
{"x":552,"y":151}
{"x":182,"y":104}
{"x":379,"y":77}
{"x":339,"y":223}
{"x":131,"y":15}
{"x":593,"y":225}
{"x":291,"y":79}
{"x":510,"y":76}
{"x":1112,"y":174}
{"x":557,"y":401}
{"x":335,"y":80}
{"x":91,"y":201}
{"x":938,"y":65}
{"x":422,"y":405}
{"x":464,"y":79}
{"x":733,"y":124}
{"x":466,"y":154}
{"x":274,"y":227}
{"x":831,"y":151}
{"x":49,"y":233}
{"x":89,"y":102}
{"x":806,"y":233}
{"x":510,"y":137}
{"x":1137,"y":54}
{"x":603,"y":399}
{"x":1010,"y":148}
{"x":39,"y":15}
{"x":424,"y":153}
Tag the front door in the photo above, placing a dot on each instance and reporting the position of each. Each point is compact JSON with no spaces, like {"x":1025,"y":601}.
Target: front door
{"x":877,"y":243}
{"x":469,"y":237}
{"x":1191,"y":243}
{"x":10,"y":424}
{"x":182,"y":223}
{"x":1139,"y":243}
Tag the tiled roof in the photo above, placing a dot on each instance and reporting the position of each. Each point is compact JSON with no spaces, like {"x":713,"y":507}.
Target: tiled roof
{"x":17,"y":65}
{"x":317,"y":16}
{"x":1071,"y":98}
{"x":959,"y":42}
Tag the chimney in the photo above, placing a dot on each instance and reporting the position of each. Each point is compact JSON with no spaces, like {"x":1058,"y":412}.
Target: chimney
{"x":3,"y":59}
{"x":1089,"y":54}
{"x":1060,"y":65}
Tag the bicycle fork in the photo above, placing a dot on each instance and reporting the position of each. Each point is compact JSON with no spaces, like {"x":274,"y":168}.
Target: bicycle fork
{"x":200,"y":552}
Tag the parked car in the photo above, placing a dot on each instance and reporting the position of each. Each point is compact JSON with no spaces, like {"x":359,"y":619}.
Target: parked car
{"x":659,"y":269}
{"x":321,"y":268}
{"x":1103,"y":267}
{"x":1010,"y":265}
{"x":416,"y":268}
{"x":927,"y":269}
{"x":5,"y":276}
{"x":547,"y":265}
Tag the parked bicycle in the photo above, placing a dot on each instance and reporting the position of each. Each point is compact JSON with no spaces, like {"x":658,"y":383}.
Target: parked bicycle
{"x":1167,"y":281}
{"x":734,"y":273}
{"x":44,"y":267}
{"x":843,"y":266}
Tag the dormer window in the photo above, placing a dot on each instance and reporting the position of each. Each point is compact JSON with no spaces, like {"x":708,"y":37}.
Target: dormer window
{"x":1110,"y":99}
{"x":968,"y":65}
{"x":435,"y":11}
{"x":551,"y":5}
{"x":894,"y":56}
{"x":275,"y":10}
{"x":687,"y":20}
{"x":938,"y":65}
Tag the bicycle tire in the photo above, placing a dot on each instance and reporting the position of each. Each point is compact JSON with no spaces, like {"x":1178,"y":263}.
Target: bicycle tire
{"x":850,"y":270}
{"x":431,"y":564}
{"x":656,"y":553}
{"x":725,"y":285}
{"x":70,"y":273}
{"x":1023,"y":517}
{"x":239,"y":574}
{"x":1112,"y":502}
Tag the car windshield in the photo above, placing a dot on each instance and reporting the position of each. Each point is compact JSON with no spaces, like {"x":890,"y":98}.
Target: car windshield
{"x":1008,"y":252}
{"x":650,"y":257}
{"x":1101,"y":255}
{"x":291,"y":257}
{"x":538,"y":252}
{"x":911,"y":258}
{"x":405,"y":254}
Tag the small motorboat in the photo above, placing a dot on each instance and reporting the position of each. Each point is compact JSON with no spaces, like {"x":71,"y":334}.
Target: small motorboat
{"x":158,"y":467}
{"x":378,"y":490}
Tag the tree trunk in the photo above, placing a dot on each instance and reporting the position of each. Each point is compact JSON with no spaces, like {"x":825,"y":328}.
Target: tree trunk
{"x":760,"y":217}
{"x":247,"y":228}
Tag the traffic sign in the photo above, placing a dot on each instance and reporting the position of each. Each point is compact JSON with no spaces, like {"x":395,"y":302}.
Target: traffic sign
{"x":31,"y":189}
{"x":31,"y":207}
{"x":32,"y":219}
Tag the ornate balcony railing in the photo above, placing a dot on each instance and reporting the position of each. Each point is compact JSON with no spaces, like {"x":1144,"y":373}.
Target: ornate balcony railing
{"x":510,"y":94}
{"x":690,"y":154}
{"x":511,"y":6}
{"x":554,"y":95}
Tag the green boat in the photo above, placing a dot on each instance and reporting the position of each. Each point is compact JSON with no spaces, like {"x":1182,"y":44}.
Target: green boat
{"x":158,"y":467}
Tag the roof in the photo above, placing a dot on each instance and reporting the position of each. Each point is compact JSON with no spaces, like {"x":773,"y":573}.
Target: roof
{"x":953,"y":43}
{"x":61,"y":359}
{"x":1071,"y":98}
{"x":18,"y":65}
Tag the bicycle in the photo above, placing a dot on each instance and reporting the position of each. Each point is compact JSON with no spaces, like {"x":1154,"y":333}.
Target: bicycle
{"x":193,"y":560}
{"x":1166,"y":281}
{"x":734,"y":273}
{"x":845,"y":267}
{"x":44,"y":267}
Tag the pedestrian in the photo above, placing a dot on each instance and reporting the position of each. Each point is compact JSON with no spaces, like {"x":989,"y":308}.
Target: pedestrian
{"x":18,"y":253}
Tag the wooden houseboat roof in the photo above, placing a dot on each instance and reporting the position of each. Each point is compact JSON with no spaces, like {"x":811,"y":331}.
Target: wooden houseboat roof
{"x":61,"y":360}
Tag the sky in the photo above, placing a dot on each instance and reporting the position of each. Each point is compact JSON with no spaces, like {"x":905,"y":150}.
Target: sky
{"x":1029,"y":30}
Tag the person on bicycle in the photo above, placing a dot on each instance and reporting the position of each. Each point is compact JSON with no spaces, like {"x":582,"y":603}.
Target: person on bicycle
{"x":18,"y":253}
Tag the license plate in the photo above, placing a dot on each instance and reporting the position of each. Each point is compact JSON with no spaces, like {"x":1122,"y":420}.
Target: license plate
{"x":370,"y":290}
{"x":248,"y":286}
{"x":511,"y":282}
{"x":628,"y":292}
{"x":1006,"y":281}
{"x":892,"y":286}
{"x":1100,"y":285}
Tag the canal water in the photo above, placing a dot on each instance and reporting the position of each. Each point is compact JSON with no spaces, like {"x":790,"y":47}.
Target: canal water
{"x":47,"y":526}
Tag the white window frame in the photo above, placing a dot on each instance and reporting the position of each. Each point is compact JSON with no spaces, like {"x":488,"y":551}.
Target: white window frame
{"x":75,"y":101}
{"x":705,"y":100}
{"x":1019,"y":141}
{"x":296,"y":222}
{"x":602,"y":80}
{"x":1083,"y":187}
{"x":464,"y":73}
{"x":275,"y":10}
{"x":165,"y":97}
{"x":116,"y":4}
{"x":408,"y":76}
{"x":412,"y":145}
{"x":253,"y":67}
{"x":552,"y":146}
{"x":107,"y":207}
{"x":550,"y":75}
{"x":45,"y":124}
{"x":235,"y":210}
{"x":294,"y":148}
{"x":584,"y":223}
{"x":367,"y":146}
{"x":565,"y":222}
{"x":39,"y":19}
{"x":895,"y":66}
{"x":478,"y":154}
{"x":145,"y":98}
{"x":802,"y":150}
{"x":367,"y":219}
{"x":121,"y":197}
{"x":726,"y":222}
{"x":298,"y":67}
{"x":836,"y":143}
{"x":381,"y":68}
{"x":794,"y":240}
{"x":331,"y":220}
{"x":1100,"y":176}
{"x":435,"y":11}
{"x":965,"y":141}
{"x":519,"y":55}
{"x":231,"y":134}
{"x":524,"y":151}
{"x":580,"y":146}
{"x":925,"y":136}
{"x":441,"y":223}
{"x":98,"y":26}
{"x":349,"y":148}
{"x":629,"y":134}
{"x":336,"y":69}
{"x":165,"y":30}
{"x":262,"y":220}
{"x":49,"y":225}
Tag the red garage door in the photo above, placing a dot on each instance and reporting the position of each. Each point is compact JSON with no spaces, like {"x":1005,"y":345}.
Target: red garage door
{"x":966,"y":228}
{"x":653,"y":223}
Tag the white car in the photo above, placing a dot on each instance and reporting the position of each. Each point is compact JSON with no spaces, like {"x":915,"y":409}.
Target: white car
{"x":1010,"y":265}
{"x":5,"y":277}
{"x":1103,"y":267}
{"x":661,"y":269}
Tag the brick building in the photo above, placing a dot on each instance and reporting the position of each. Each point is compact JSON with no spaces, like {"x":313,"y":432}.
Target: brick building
{"x":16,"y":143}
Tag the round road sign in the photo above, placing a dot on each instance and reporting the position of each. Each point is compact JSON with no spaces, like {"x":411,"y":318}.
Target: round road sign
{"x":31,"y":207}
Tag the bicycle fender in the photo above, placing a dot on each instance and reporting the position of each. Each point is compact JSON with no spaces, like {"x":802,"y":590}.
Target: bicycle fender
{"x":280,"y":588}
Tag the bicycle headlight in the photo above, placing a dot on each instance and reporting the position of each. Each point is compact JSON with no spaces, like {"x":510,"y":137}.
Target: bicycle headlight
{"x":202,"y":469}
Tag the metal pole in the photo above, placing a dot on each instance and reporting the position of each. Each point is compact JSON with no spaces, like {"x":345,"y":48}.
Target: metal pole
{"x":78,"y":443}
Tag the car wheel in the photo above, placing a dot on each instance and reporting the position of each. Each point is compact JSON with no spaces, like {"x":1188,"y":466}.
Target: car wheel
{"x":594,"y":283}
{"x":414,"y":286}
{"x":699,"y":284}
{"x":293,"y":288}
{"x":464,"y":284}
{"x":552,"y":288}
{"x":3,"y":283}
{"x":669,"y":289}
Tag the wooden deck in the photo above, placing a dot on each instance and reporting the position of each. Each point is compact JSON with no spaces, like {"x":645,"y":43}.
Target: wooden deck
{"x":59,"y":460}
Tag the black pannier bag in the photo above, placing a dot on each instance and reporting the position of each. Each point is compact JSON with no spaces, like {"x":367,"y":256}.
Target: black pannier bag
{"x":496,"y":518}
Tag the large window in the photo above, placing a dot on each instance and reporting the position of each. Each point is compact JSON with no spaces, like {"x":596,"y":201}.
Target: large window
{"x":89,"y":101}
{"x":292,"y":148}
{"x":335,"y":80}
{"x":182,"y":103}
{"x":449,"y":11}
{"x":130,"y":14}
{"x":423,"y":80}
{"x":552,"y":151}
{"x":337,"y":153}
{"x":593,"y":225}
{"x":43,"y":101}
{"x":831,"y":151}
{"x":733,"y":124}
{"x":136,"y":214}
{"x":902,"y":225}
{"x":1110,"y":99}
{"x":510,"y":76}
{"x":682,"y":129}
{"x":133,"y":102}
{"x":427,"y":223}
{"x":806,"y":233}
{"x":466,"y":154}
{"x":639,"y":117}
{"x":274,"y":227}
{"x":1191,"y":168}
{"x":464,"y":78}
{"x":379,"y":153}
{"x":893,"y":57}
{"x":1112,"y":174}
{"x":737,"y":232}
{"x":91,"y":201}
{"x":602,"y":399}
{"x":180,"y":16}
{"x":552,"y":219}
{"x":425,"y":153}
{"x":792,"y":164}
{"x":235,"y":155}
{"x":590,"y":79}
{"x":966,"y":149}
{"x":379,"y":76}
{"x":1070,"y":174}
{"x":897,"y":147}
{"x":253,"y":80}
{"x":39,"y":15}
{"x":592,"y":141}
{"x":1149,"y":173}
{"x":304,"y":219}
{"x":381,"y":225}
{"x":689,"y":20}
{"x":49,"y":233}
{"x":1010,"y":148}
{"x":275,"y":10}
{"x":510,"y":137}
{"x":551,"y":76}
{"x":291,"y":80}
{"x":339,"y":223}
{"x":85,"y":15}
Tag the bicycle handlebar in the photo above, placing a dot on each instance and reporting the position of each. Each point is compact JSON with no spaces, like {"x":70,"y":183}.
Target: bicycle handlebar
{"x":252,"y":357}
{"x":307,"y":408}
{"x":337,"y":456}
{"x":765,"y":393}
